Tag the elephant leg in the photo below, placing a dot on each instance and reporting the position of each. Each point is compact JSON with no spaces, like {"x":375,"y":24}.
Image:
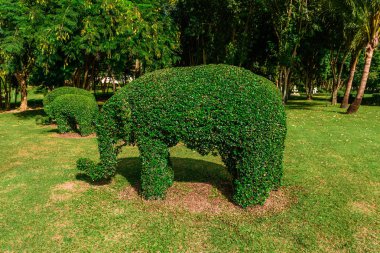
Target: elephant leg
{"x":63,"y":125}
{"x":85,"y":127}
{"x":72,"y":123}
{"x":156,"y":174}
{"x":230,"y":163}
{"x":254,"y":180}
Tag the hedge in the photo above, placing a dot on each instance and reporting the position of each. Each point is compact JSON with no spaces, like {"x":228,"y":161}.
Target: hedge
{"x":212,"y":108}
{"x":376,"y":99}
{"x":51,"y":96}
{"x":341,"y":96}
{"x":367,"y":100}
{"x":74,"y":112}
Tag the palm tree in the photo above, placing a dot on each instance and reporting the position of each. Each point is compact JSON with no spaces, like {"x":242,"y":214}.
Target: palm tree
{"x":357,"y":44}
{"x":368,"y":13}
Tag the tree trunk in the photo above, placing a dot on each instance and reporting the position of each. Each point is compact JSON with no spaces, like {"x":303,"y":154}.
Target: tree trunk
{"x":280,"y":76}
{"x":92,"y":78}
{"x":354,"y":63}
{"x":85,"y":77}
{"x":113,"y":83}
{"x":334,"y":96}
{"x":24,"y":96}
{"x":309,"y":88}
{"x":7,"y":95}
{"x":76,"y":78}
{"x":1,"y":93}
{"x":337,"y":75}
{"x":21,"y":78}
{"x":285,"y":84}
{"x":16,"y":95}
{"x":367,"y":66}
{"x":137,"y":69}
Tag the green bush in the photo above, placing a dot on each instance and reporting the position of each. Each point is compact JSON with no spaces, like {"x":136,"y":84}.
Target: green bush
{"x":351,"y":98}
{"x":368,"y":99}
{"x":376,"y":99}
{"x":51,"y":96}
{"x":213,"y":108}
{"x":74,"y":112}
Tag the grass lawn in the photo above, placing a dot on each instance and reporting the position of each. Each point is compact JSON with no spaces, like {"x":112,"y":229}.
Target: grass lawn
{"x":329,"y":201}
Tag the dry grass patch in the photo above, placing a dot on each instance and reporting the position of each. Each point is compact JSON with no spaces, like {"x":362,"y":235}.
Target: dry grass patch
{"x":16,"y":164}
{"x":34,"y":151}
{"x":23,"y":153}
{"x":363,"y":207}
{"x":367,"y":240}
{"x":68,"y":190}
{"x":13,"y":187}
{"x":205,"y":198}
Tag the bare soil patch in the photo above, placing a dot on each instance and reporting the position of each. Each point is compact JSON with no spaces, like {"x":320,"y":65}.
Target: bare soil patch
{"x":205,"y":198}
{"x":73,"y":136}
{"x":18,"y":110}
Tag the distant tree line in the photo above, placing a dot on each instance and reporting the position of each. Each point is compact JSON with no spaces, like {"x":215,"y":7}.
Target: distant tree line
{"x":329,"y":44}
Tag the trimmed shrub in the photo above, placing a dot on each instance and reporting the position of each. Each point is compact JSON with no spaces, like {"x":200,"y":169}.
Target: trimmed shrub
{"x":376,"y":99}
{"x":74,"y":112}
{"x":213,"y":108}
{"x":51,"y":96}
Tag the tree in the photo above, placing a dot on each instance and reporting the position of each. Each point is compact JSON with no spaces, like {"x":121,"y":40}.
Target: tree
{"x":19,"y":21}
{"x":292,"y":22}
{"x":368,"y":12}
{"x":354,"y":61}
{"x":74,"y":42}
{"x":89,"y":39}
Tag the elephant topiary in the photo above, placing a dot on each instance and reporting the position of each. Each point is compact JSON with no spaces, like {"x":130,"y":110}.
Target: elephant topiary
{"x":212,"y":108}
{"x":74,"y":112}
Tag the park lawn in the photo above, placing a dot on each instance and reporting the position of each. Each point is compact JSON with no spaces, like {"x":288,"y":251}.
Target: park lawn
{"x":329,"y":201}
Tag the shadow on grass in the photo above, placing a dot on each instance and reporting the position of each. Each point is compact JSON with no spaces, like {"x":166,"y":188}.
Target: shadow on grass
{"x":54,"y":130}
{"x":30,"y":114}
{"x":185,"y":170}
{"x":32,"y":103}
{"x":301,"y":102}
{"x":303,"y":105}
{"x":315,"y":98}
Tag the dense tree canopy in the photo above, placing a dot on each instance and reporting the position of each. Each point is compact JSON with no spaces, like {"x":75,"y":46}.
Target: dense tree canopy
{"x":75,"y":42}
{"x":327,"y":44}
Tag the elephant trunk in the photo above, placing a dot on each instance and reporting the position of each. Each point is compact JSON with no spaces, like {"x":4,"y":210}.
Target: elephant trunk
{"x":108,"y":153}
{"x":112,"y":126}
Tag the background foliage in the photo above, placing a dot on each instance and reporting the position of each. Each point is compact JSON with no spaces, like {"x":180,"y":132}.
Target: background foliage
{"x":99,"y":43}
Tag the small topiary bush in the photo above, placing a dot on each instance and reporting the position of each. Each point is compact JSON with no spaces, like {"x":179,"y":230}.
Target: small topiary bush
{"x":213,"y":108}
{"x":51,"y":96}
{"x":74,"y":112}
